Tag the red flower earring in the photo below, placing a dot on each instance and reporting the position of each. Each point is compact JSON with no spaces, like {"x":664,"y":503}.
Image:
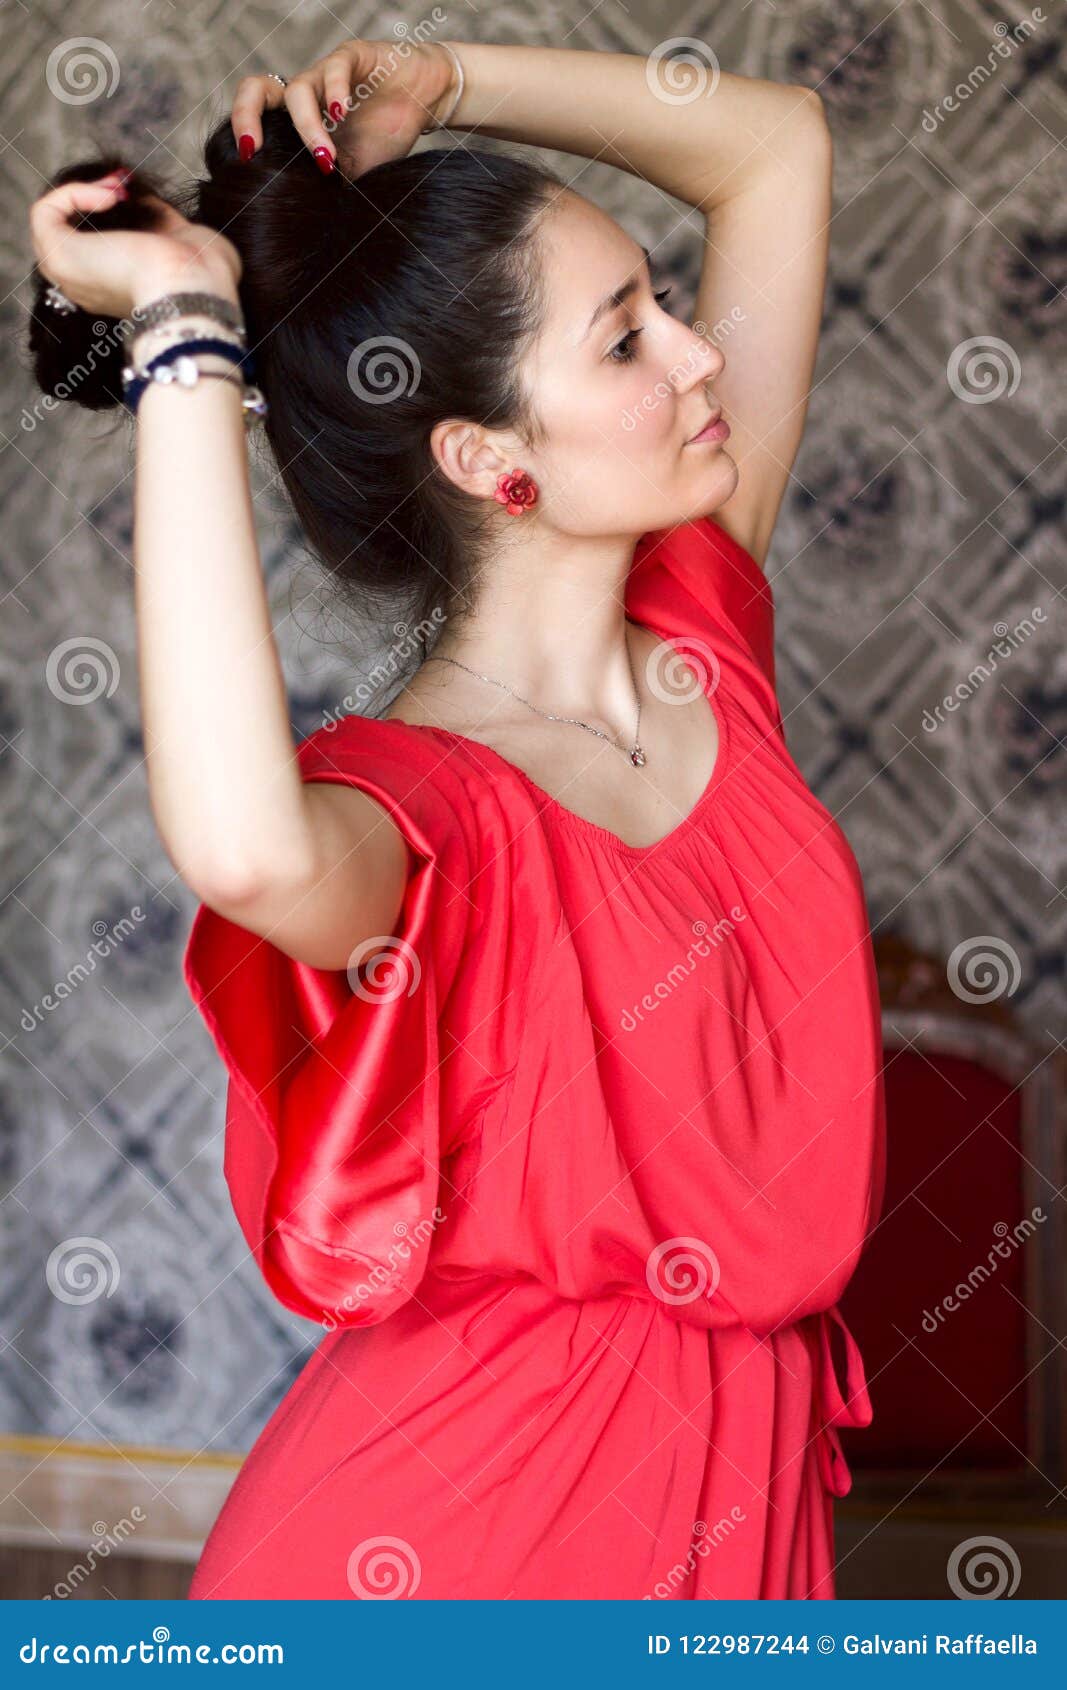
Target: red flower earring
{"x":516,"y":490}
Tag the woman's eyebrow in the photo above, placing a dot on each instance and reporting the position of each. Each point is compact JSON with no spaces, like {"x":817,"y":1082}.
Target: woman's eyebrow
{"x":612,"y":300}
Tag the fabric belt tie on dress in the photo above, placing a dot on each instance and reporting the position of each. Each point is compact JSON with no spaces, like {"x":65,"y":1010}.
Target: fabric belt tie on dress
{"x":850,"y":1406}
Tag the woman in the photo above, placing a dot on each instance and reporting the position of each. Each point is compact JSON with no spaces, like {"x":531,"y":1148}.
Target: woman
{"x":547,"y":995}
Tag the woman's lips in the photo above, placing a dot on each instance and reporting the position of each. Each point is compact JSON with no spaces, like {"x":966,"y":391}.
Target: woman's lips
{"x":716,"y":432}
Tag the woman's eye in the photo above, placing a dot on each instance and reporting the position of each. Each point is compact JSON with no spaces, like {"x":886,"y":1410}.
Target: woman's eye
{"x":622,"y":352}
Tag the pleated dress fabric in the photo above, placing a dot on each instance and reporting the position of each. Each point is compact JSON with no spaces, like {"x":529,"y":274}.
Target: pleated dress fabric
{"x":572,"y":1169}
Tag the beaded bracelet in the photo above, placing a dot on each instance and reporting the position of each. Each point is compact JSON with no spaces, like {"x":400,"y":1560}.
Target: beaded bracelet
{"x":186,"y":371}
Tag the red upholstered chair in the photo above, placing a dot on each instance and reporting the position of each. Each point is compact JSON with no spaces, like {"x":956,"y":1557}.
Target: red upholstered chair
{"x":959,"y":1300}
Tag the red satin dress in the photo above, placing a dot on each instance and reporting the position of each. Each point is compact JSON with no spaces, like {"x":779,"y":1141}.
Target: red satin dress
{"x":573,"y":1170}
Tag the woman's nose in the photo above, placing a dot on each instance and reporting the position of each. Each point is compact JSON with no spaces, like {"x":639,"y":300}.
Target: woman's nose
{"x":701,"y":361}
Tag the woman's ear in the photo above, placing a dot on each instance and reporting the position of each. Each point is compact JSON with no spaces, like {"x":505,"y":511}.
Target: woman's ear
{"x":470,"y":457}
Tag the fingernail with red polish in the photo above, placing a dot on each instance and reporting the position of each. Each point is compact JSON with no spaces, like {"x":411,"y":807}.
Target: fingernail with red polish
{"x":324,"y":159}
{"x":246,"y":146}
{"x":337,"y":110}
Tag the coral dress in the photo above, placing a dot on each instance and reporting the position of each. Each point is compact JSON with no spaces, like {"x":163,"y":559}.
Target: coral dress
{"x":573,"y":1170}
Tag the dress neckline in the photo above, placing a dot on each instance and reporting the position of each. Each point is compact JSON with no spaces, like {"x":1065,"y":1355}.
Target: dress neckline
{"x":558,"y":812}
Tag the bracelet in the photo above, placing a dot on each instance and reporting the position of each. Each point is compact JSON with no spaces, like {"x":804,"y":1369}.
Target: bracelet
{"x":182,"y":304}
{"x":182,"y":329}
{"x":135,"y":378}
{"x":253,"y":404}
{"x":135,"y":373}
{"x":443,"y":122}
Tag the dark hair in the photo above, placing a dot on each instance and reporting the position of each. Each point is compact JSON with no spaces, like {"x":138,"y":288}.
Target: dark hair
{"x":375,"y":308}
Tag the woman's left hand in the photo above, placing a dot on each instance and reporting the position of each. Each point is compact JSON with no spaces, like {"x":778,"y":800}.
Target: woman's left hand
{"x":364,"y":103}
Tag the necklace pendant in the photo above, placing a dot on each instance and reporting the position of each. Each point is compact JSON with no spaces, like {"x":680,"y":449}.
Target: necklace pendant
{"x":637,"y":757}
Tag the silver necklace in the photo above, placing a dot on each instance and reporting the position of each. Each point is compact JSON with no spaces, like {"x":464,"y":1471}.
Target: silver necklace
{"x":635,"y":753}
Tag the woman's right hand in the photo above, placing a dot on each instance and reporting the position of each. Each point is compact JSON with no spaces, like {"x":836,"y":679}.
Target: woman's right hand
{"x":111,"y":272}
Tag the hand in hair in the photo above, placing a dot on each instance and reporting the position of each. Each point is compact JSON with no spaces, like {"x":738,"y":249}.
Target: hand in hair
{"x":365,"y":103}
{"x":110,"y":247}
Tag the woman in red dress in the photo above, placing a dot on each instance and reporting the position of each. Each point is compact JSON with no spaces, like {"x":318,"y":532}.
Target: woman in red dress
{"x":546,"y":995}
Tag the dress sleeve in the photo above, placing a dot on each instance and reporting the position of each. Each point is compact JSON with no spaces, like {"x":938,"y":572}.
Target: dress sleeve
{"x":336,"y":1116}
{"x":698,"y":580}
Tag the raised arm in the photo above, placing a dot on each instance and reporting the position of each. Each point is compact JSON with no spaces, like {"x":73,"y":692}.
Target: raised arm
{"x":755,"y":158}
{"x":315,"y":867}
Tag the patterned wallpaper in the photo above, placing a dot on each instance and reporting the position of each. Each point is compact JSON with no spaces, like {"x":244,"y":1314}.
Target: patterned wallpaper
{"x":918,"y":567}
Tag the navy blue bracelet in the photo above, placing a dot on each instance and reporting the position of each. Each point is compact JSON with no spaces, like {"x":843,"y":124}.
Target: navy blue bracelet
{"x":135,"y":381}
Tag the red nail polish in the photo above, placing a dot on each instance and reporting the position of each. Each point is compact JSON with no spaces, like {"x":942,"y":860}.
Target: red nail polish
{"x":324,"y":159}
{"x":123,"y":175}
{"x":337,"y":111}
{"x":246,"y":146}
